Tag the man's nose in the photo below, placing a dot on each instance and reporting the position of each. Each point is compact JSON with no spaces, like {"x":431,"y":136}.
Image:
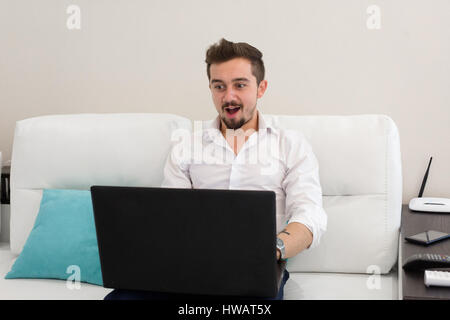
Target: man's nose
{"x":230,"y":95}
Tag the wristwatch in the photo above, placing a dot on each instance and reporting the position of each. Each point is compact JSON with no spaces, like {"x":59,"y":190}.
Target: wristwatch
{"x":280,"y":246}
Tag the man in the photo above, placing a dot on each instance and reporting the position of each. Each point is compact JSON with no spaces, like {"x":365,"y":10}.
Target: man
{"x":290,"y":169}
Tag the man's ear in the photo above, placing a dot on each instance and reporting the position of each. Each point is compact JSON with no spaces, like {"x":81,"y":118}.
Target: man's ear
{"x":262,"y":88}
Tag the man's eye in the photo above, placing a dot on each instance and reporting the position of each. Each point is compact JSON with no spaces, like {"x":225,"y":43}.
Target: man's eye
{"x":240,"y":85}
{"x":219,"y":87}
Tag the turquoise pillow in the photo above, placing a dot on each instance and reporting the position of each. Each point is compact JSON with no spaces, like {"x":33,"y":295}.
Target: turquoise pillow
{"x":63,"y":242}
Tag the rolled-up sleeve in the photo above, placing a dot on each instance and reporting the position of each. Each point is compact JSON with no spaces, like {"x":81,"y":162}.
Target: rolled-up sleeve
{"x":302,"y":187}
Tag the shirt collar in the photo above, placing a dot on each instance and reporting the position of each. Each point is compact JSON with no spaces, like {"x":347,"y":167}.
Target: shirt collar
{"x":212,"y":127}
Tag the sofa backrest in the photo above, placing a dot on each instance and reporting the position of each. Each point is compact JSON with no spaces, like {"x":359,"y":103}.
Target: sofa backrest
{"x":359,"y":164}
{"x":361,"y":178}
{"x":77,"y":151}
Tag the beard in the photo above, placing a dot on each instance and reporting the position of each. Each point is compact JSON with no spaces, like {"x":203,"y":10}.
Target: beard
{"x":235,"y":123}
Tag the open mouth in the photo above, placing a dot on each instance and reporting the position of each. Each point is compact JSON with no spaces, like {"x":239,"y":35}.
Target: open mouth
{"x":232,"y":110}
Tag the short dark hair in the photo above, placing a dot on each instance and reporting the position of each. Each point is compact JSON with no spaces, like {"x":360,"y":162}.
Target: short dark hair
{"x":226,"y":50}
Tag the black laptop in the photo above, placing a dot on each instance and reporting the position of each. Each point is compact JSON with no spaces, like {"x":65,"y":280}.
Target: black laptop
{"x":188,"y":241}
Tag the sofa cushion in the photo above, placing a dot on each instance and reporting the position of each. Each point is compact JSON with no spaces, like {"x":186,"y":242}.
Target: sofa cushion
{"x":80,"y":150}
{"x":42,"y":289}
{"x":361,"y":178}
{"x":300,"y":286}
{"x":341,"y":286}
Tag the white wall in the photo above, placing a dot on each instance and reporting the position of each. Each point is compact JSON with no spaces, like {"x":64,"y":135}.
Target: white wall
{"x":320,"y":56}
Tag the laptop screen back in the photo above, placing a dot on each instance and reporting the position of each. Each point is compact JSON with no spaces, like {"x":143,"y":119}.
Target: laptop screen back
{"x":197,"y":241}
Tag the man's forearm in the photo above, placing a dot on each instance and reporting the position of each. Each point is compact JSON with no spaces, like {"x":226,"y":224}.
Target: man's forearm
{"x":296,"y":237}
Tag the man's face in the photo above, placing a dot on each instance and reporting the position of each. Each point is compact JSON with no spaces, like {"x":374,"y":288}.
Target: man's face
{"x":235,"y":91}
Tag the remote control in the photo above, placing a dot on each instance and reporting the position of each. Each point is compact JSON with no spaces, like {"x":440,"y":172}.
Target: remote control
{"x":437,"y":278}
{"x":426,"y":261}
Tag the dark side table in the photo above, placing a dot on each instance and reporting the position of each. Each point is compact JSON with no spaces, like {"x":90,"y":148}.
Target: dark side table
{"x":412,"y":282}
{"x":5,"y":185}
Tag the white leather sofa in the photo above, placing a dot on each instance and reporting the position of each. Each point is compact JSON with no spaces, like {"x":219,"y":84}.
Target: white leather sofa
{"x":360,"y":171}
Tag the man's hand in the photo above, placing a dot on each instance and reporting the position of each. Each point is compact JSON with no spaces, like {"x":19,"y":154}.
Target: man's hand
{"x":278,"y":254}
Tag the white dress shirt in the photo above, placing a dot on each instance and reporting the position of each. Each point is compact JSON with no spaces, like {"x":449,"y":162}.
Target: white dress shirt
{"x":271,"y":159}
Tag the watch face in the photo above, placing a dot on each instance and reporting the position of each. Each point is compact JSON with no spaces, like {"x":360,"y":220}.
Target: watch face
{"x":279,"y":243}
